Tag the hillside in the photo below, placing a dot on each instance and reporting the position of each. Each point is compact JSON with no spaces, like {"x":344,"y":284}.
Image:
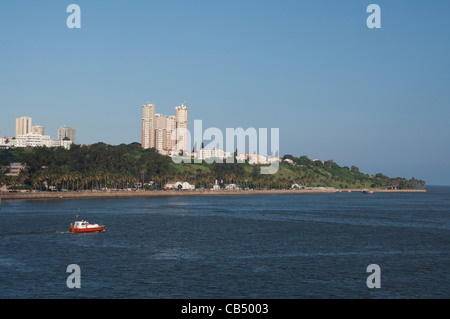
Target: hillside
{"x":101,"y":165}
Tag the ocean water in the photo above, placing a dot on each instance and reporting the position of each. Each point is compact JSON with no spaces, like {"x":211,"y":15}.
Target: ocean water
{"x":237,"y":246}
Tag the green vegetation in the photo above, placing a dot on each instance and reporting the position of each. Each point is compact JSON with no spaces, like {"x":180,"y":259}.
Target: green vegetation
{"x":330,"y":174}
{"x":105,"y":166}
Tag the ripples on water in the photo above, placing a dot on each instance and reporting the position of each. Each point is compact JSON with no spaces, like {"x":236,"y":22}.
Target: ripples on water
{"x":276,"y":246}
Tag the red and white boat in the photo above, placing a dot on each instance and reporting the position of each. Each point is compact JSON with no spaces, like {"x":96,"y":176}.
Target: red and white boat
{"x":83,"y":226}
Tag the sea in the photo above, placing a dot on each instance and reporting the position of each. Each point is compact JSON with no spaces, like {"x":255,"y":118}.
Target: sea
{"x":345,"y":245}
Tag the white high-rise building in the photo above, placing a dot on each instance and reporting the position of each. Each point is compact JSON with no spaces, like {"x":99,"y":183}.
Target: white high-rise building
{"x":181,"y":115}
{"x":148,"y":126}
{"x":65,"y":132}
{"x":23,"y":126}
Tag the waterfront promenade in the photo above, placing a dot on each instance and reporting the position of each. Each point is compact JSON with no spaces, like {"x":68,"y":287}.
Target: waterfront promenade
{"x":152,"y":193}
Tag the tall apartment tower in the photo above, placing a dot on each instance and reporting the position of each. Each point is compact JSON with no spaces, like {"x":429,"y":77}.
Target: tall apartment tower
{"x":171,"y":125}
{"x":148,"y":126}
{"x":38,"y":129}
{"x":66,"y":132}
{"x":181,"y":117}
{"x":160,"y":134}
{"x":23,"y":126}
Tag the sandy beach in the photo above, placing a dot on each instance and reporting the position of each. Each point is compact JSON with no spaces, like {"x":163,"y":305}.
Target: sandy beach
{"x":115,"y":194}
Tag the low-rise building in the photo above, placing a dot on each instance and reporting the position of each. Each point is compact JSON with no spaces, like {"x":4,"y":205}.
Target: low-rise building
{"x":257,"y":159}
{"x":232,"y":187}
{"x":205,"y":154}
{"x":288,"y":160}
{"x":14,"y":169}
{"x":37,"y":140}
{"x":4,"y":143}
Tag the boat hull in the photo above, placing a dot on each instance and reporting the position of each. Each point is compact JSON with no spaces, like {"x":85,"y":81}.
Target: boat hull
{"x":87,"y":230}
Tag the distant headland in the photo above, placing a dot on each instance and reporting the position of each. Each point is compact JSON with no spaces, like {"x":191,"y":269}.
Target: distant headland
{"x":102,"y":170}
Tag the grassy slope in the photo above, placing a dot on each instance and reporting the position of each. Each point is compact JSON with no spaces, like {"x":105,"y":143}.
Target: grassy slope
{"x":288,"y":174}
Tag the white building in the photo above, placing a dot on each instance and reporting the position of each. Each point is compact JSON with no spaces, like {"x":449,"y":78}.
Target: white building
{"x":288,"y":160}
{"x":32,"y":140}
{"x":36,"y":140}
{"x":216,"y":186}
{"x":64,"y":143}
{"x":179,"y":185}
{"x":4,"y":142}
{"x":205,"y":154}
{"x":257,"y":159}
{"x":232,"y":187}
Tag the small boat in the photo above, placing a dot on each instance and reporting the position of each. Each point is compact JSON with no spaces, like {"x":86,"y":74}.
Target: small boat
{"x":83,"y":227}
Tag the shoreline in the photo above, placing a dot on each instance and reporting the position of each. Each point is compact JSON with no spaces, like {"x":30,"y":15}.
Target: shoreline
{"x":161,"y":193}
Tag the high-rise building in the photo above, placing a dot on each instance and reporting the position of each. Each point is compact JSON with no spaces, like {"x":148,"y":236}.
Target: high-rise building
{"x":65,"y":132}
{"x":38,"y":129}
{"x":160,"y":135}
{"x":157,"y":129}
{"x":171,"y":125}
{"x":148,"y":126}
{"x":181,"y":116}
{"x":23,"y":126}
{"x":160,"y":121}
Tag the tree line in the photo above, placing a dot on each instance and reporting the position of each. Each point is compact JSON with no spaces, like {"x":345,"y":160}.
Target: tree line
{"x":100,"y":166}
{"x":329,"y":173}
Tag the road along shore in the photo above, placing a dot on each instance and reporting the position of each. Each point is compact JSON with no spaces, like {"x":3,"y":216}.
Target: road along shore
{"x":154,"y":193}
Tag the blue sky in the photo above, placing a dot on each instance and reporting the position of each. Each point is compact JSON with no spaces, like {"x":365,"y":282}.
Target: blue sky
{"x":378,"y":99}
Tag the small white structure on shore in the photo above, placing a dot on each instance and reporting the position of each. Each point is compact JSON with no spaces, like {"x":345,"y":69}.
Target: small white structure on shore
{"x":216,"y":186}
{"x":179,"y":185}
{"x":232,"y":187}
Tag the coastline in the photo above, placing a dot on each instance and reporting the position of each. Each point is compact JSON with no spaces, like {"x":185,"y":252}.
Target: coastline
{"x":155,"y":193}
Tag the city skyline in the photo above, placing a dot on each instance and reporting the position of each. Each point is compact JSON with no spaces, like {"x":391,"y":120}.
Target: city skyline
{"x":162,"y":132}
{"x":377,"y":99}
{"x":23,"y":126}
{"x":28,"y":135}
